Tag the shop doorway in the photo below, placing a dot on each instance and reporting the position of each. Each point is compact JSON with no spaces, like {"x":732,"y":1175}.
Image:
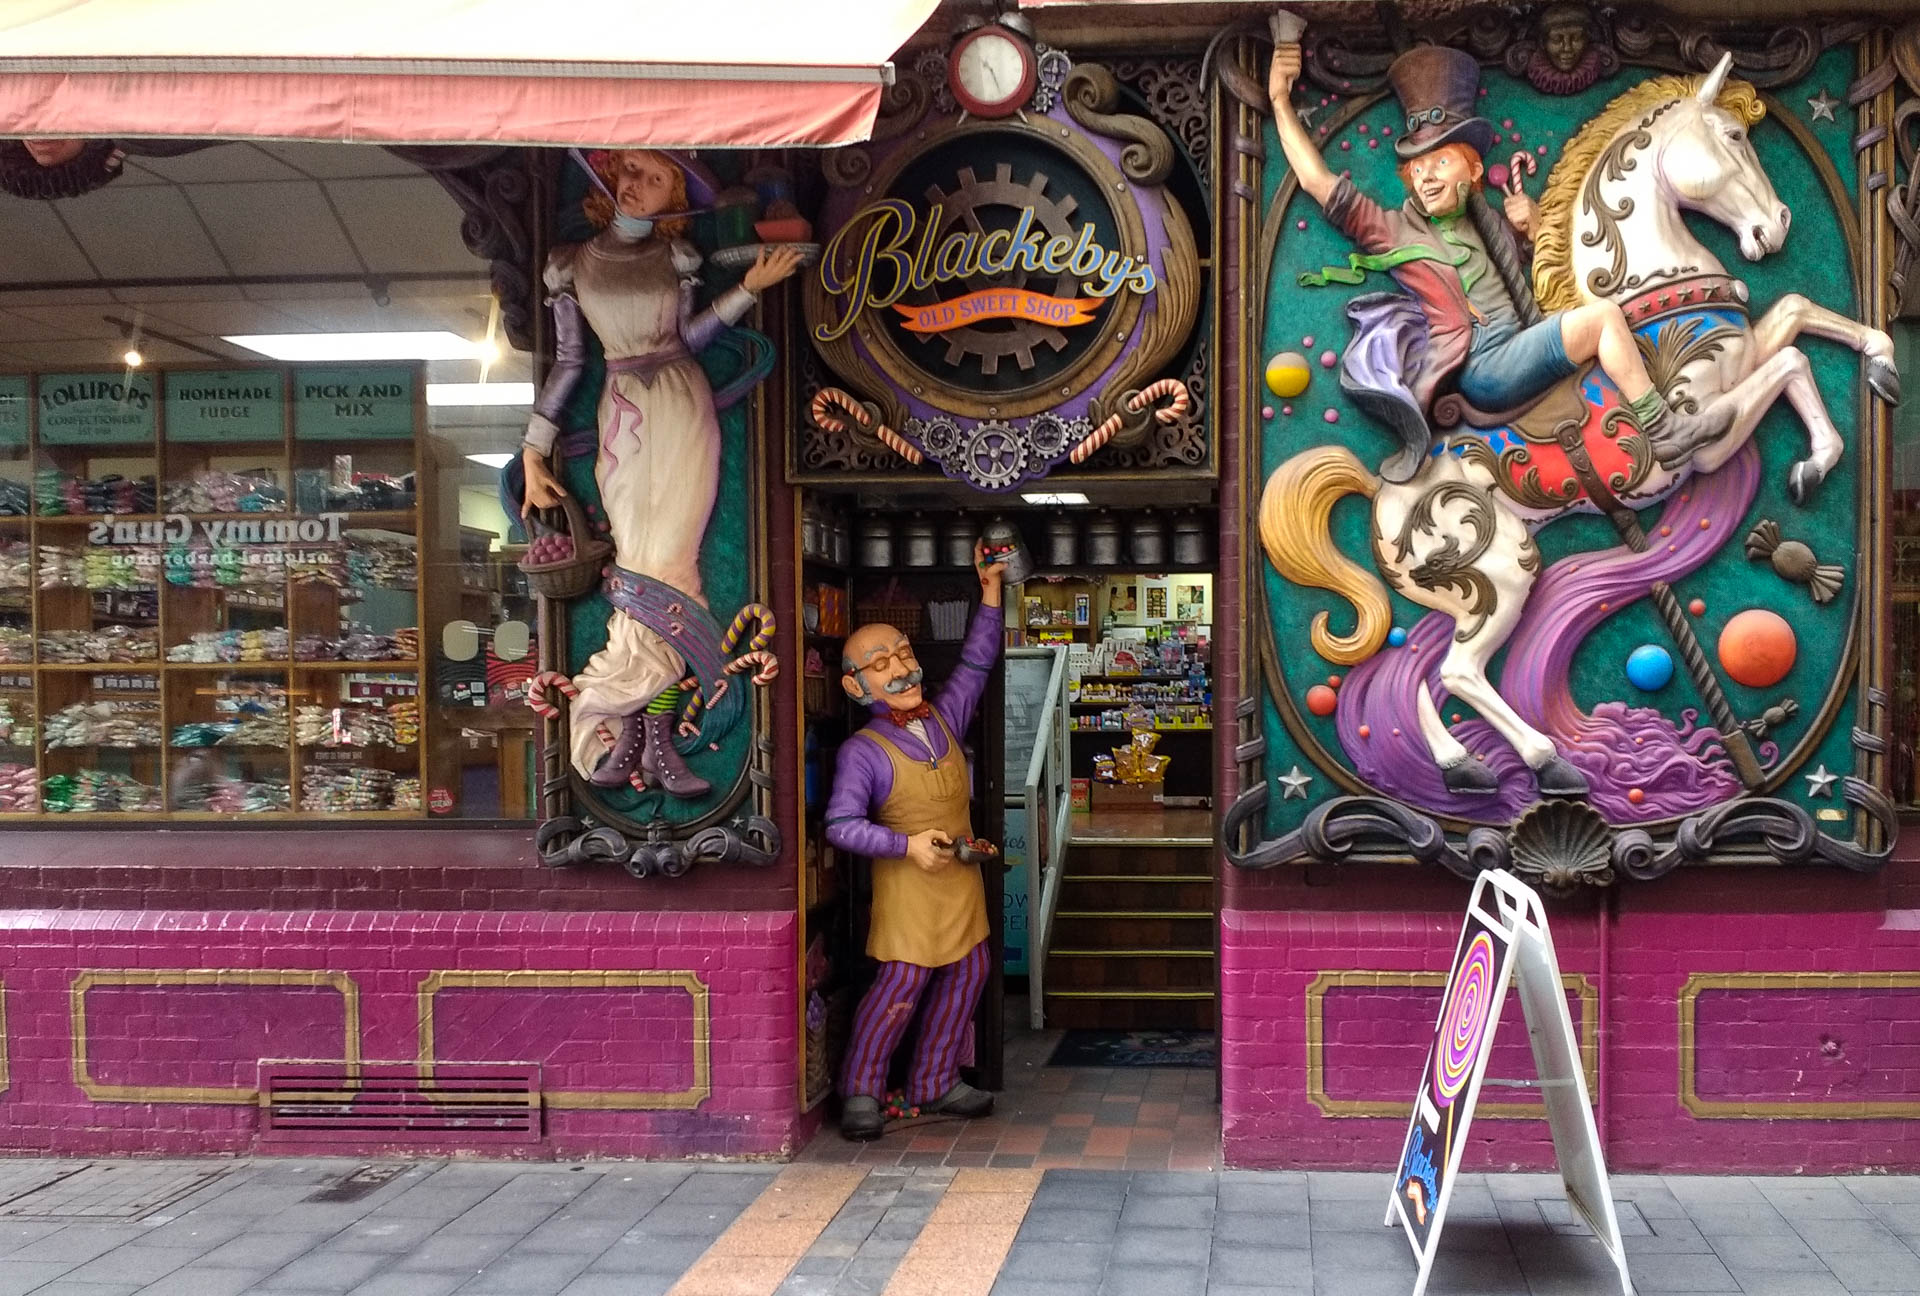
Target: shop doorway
{"x":1102,"y":1000}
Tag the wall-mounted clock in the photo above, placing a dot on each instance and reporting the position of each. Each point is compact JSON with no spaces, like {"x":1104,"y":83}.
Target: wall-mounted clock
{"x":992,"y":71}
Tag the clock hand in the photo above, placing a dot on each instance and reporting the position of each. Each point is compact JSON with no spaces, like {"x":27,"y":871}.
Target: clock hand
{"x":993,"y":76}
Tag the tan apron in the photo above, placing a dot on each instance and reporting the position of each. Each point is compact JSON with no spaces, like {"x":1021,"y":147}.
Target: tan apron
{"x":928,"y":919}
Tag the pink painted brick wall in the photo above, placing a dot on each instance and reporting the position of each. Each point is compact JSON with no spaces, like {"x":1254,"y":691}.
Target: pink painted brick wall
{"x":588,"y":1036}
{"x":1820,"y":1040}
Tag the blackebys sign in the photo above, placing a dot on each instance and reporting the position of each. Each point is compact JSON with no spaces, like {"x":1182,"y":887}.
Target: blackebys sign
{"x":1001,"y":296}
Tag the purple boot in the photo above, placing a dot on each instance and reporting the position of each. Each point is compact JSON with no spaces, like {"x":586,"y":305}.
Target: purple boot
{"x":662,"y":764}
{"x":617,"y":769}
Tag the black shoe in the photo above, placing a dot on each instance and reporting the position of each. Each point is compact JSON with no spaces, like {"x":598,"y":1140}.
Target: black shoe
{"x":961,"y":1100}
{"x":861,"y":1121}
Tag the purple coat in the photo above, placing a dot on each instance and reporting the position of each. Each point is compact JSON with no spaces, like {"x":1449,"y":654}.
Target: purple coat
{"x":862,"y":774}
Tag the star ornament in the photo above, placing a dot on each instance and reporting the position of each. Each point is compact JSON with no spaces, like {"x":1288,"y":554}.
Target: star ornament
{"x":1294,"y":783}
{"x":1822,"y":106}
{"x":1820,"y":782}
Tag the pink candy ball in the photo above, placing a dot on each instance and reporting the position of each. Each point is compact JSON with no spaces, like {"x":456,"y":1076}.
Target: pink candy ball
{"x":1286,"y":409}
{"x":1328,"y":359}
{"x":1266,"y":411}
{"x":1497,"y":175}
{"x":1331,"y":416}
{"x":1307,"y":341}
{"x":1301,"y":224}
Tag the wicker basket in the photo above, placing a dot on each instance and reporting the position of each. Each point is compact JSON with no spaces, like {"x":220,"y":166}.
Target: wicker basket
{"x":570,"y":577}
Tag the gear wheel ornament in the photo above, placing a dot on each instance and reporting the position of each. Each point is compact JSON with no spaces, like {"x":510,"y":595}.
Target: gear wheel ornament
{"x":1007,"y":339}
{"x":995,"y":457}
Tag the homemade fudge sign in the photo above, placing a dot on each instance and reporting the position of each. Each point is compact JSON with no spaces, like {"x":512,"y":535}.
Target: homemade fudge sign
{"x":1504,"y":936}
{"x":226,"y":405}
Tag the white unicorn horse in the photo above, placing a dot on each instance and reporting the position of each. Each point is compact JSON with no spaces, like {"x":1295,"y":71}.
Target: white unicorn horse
{"x":1458,"y":537}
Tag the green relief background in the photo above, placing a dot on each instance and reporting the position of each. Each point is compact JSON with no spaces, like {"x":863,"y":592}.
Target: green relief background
{"x":1815,"y":262}
{"x":724,"y":557}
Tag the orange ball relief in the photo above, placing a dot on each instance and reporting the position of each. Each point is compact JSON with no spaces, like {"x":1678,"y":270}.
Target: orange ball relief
{"x":1321,"y":700}
{"x":1757,"y":648}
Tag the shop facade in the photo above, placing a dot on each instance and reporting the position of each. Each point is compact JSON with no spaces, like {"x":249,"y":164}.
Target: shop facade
{"x":328,"y":807}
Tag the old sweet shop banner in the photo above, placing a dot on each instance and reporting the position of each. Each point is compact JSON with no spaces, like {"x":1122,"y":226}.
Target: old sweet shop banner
{"x":1528,"y":597}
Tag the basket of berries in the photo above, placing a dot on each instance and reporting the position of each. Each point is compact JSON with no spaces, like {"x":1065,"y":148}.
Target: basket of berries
{"x":564,"y":562}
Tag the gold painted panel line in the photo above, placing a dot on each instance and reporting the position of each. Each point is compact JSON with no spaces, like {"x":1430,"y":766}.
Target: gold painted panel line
{"x":755,"y":1255}
{"x":1804,"y":1109}
{"x":697,"y":990}
{"x":1323,"y":981}
{"x":282,"y":978}
{"x":965,"y":1241}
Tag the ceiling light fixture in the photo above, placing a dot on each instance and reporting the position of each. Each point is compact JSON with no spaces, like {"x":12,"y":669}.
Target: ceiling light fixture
{"x":500,"y":393}
{"x":491,"y":460}
{"x":133,"y":358}
{"x":1054,"y":497}
{"x":439,"y":344}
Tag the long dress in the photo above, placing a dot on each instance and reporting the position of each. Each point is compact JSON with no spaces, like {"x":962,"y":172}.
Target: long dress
{"x":658,"y":466}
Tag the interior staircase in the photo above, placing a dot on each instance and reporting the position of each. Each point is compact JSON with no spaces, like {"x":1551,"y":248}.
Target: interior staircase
{"x":1134,"y":937}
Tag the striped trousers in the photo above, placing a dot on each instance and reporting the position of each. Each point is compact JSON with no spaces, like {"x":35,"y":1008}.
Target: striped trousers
{"x":884,"y":1014}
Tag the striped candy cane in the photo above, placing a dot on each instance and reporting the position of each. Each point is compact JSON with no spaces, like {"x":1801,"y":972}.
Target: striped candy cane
{"x":1172,"y":412}
{"x":537,"y":692}
{"x":827,"y":398}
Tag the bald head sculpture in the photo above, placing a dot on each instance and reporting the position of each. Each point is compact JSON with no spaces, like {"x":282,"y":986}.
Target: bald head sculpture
{"x":878,"y":666}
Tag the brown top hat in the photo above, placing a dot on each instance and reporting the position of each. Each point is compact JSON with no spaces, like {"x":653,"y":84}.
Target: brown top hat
{"x":1439,"y":89}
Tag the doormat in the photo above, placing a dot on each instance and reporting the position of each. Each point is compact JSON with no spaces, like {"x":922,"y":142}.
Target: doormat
{"x":1113,"y":1048}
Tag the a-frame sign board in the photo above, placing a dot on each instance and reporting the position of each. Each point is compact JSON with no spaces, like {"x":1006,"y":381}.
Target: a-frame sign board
{"x":1503,"y":938}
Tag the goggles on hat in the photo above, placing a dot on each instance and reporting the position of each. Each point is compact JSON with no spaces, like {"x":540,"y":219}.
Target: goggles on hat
{"x":1415,"y":120}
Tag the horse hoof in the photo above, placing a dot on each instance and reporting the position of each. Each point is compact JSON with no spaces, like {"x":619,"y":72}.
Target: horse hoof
{"x":1558,"y":778}
{"x":1883,"y":376}
{"x":1470,"y":777}
{"x":1802,"y":480}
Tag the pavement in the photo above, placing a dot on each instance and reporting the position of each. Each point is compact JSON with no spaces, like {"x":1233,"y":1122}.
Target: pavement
{"x":220,"y":1228}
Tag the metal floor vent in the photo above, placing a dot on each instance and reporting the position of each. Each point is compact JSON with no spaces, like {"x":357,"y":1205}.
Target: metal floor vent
{"x":398,"y":1102}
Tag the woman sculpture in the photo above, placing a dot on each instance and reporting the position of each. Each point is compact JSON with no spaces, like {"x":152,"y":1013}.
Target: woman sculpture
{"x":658,"y":461}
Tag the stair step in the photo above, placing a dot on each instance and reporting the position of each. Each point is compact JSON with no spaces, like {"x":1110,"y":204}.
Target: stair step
{"x":1073,"y":969}
{"x":1068,"y":1012}
{"x":1114,"y":893}
{"x":1106,"y":859}
{"x":1111,"y":993}
{"x":1191,"y":929}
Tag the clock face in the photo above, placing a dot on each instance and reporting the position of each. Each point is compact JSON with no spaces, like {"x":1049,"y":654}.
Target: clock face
{"x":992,"y":69}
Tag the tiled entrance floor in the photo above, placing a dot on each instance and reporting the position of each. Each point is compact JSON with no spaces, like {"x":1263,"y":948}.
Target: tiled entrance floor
{"x":1088,"y":1118}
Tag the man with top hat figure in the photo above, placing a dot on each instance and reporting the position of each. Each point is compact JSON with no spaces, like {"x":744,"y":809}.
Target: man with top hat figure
{"x":901,"y":795}
{"x":1462,"y":321}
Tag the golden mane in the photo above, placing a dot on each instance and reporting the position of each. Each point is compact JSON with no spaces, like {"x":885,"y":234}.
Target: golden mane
{"x":1553,"y":282}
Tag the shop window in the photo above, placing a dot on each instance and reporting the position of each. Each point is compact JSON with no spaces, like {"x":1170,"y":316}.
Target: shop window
{"x":239,"y":580}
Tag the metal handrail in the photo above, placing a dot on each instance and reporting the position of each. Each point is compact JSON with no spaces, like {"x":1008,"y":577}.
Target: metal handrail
{"x":1045,"y":804}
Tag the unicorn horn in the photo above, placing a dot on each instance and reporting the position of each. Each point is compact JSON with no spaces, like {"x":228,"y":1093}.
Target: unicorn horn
{"x":1709,"y":90}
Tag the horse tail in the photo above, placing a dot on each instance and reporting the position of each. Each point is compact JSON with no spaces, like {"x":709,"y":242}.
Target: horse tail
{"x":1296,"y":510}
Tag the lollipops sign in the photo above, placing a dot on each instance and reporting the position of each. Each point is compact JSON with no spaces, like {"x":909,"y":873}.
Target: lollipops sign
{"x":1464,"y":1021}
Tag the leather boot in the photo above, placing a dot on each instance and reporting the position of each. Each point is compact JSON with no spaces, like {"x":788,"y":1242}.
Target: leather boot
{"x":662,"y":764}
{"x":961,"y":1100}
{"x":1676,"y":435}
{"x":616,"y":769}
{"x":861,"y":1121}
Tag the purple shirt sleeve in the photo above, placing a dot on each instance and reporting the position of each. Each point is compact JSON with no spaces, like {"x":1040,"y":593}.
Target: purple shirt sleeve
{"x":862,"y":781}
{"x":958,"y":699}
{"x":698,"y":329}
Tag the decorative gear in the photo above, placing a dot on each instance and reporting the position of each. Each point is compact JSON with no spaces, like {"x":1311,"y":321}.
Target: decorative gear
{"x":931,"y":68}
{"x":1053,"y":66}
{"x":1049,"y":436}
{"x":995,"y":457}
{"x":1014,"y":338}
{"x":939,"y":437}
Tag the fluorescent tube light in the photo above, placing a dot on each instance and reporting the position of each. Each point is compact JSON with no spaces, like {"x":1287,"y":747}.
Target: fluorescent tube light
{"x":1054,"y":497}
{"x":492,"y":460}
{"x":437,"y":345}
{"x":500,"y":393}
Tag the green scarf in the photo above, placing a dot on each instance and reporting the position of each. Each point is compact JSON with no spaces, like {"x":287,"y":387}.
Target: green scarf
{"x":1360,"y":264}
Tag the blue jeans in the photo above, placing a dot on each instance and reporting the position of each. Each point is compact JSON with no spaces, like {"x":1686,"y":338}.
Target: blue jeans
{"x":1510,"y":370}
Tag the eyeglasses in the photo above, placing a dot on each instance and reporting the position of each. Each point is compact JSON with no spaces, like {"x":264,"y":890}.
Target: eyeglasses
{"x":1417,"y":119}
{"x":882,"y":661}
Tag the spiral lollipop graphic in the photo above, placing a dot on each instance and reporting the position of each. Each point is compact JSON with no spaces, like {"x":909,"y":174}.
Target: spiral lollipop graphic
{"x":1463,"y":1021}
